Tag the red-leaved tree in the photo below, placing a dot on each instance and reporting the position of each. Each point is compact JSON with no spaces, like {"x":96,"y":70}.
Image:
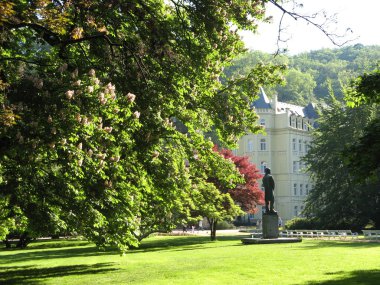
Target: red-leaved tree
{"x":218,"y":200}
{"x":247,"y":195}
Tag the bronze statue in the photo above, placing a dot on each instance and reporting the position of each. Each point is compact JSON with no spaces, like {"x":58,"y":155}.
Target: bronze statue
{"x":268,"y":183}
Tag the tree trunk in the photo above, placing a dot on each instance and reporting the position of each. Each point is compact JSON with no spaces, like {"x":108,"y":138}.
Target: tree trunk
{"x":212,"y":223}
{"x":24,"y":240}
{"x":7,"y":243}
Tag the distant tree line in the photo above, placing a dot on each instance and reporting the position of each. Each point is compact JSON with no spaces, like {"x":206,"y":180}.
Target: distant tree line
{"x":310,"y":75}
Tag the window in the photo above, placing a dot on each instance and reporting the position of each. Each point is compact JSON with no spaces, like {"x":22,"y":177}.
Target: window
{"x":300,"y":145}
{"x":306,"y":147}
{"x":293,"y":121}
{"x":294,"y":144}
{"x":263,"y":144}
{"x":299,"y":123}
{"x":307,"y":189}
{"x":295,"y":210}
{"x":250,"y":146}
{"x":262,"y":122}
{"x":305,"y":124}
{"x":295,"y":166}
{"x":301,"y":189}
{"x":295,"y":189}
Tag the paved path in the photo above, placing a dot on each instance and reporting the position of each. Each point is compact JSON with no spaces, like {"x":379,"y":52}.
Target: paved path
{"x":207,"y":232}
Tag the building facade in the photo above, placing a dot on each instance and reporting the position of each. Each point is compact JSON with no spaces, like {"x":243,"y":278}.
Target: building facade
{"x":281,"y":149}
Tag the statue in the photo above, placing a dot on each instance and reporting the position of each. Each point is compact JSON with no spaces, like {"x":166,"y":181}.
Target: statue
{"x":268,"y":183}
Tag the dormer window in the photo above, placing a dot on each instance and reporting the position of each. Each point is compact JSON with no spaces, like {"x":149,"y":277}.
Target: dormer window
{"x":293,"y":122}
{"x":305,"y":125}
{"x":299,"y":123}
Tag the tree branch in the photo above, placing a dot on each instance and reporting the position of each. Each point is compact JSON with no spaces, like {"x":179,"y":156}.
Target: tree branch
{"x":311,"y":19}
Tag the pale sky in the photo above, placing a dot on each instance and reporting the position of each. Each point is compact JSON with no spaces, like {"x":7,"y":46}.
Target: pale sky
{"x":363,"y":17}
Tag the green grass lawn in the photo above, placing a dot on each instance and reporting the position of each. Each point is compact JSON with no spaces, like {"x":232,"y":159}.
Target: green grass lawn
{"x":194,"y":260}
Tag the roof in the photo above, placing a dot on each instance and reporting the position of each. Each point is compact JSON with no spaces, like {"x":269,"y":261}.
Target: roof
{"x":263,"y":101}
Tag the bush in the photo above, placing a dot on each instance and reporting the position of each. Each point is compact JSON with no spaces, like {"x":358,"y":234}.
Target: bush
{"x":224,"y":225}
{"x":243,"y":224}
{"x":300,"y":223}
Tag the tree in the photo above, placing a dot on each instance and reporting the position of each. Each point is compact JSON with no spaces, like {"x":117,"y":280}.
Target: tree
{"x":318,"y":70}
{"x":90,"y":92}
{"x":229,"y":199}
{"x":298,"y":89}
{"x":247,"y":194}
{"x":337,"y":200}
{"x":363,"y":155}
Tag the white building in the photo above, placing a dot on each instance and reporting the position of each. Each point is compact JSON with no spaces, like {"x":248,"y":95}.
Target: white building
{"x":286,"y":140}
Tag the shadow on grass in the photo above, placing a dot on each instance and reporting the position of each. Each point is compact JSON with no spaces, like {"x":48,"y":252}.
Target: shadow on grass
{"x":33,"y":276}
{"x":184,"y":242}
{"x":363,"y":277}
{"x":339,"y":243}
{"x":68,"y":249}
{"x":48,"y":243}
{"x":43,"y":254}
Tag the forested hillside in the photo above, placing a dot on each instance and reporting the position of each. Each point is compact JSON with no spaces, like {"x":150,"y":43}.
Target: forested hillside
{"x":309,"y":74}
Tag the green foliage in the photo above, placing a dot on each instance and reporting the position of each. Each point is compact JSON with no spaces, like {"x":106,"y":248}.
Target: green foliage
{"x":364,"y":90}
{"x":310,"y":74}
{"x":225,"y":225}
{"x":298,"y":88}
{"x":301,"y":224}
{"x":337,"y":199}
{"x":100,"y":154}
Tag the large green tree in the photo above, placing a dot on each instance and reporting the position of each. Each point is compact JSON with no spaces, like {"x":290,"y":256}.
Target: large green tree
{"x":338,"y":199}
{"x":364,"y":154}
{"x":91,"y":93}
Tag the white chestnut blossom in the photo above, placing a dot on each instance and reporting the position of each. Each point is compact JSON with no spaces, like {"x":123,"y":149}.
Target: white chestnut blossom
{"x":63,"y":67}
{"x":131,"y":97}
{"x":74,"y":74}
{"x":69,"y":94}
{"x":155,"y":154}
{"x":78,"y":118}
{"x":91,"y":72}
{"x":108,"y":129}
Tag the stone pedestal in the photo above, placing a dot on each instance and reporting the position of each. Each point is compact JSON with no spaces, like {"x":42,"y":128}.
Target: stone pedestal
{"x":270,"y":226}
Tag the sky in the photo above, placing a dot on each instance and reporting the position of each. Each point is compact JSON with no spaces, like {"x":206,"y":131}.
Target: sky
{"x":361,"y":16}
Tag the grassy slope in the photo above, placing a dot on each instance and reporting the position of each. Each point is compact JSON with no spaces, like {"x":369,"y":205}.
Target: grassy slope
{"x":194,"y":260}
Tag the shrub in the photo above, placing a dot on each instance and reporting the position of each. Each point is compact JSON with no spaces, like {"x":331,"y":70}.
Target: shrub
{"x":300,"y":223}
{"x":224,"y":225}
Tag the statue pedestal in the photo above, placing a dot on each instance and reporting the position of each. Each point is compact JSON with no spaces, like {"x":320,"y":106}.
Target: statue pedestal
{"x":270,"y":226}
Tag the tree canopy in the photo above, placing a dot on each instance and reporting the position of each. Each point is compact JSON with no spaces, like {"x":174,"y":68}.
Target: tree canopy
{"x":229,"y":200}
{"x":311,"y":74}
{"x":338,"y":199}
{"x":92,"y":93}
